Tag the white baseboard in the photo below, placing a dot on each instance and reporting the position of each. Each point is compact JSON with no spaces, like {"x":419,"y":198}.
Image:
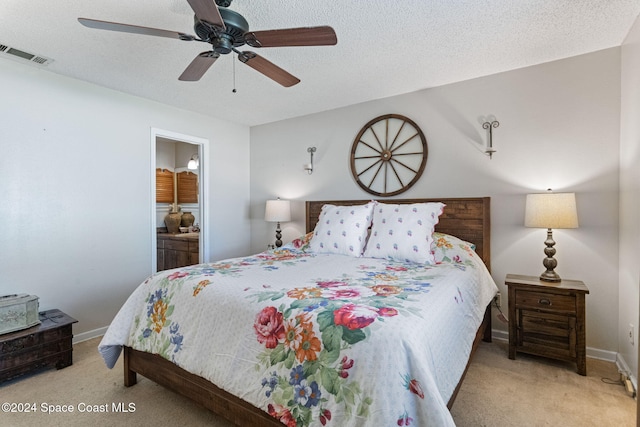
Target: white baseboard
{"x":84,"y":336}
{"x":606,"y":355}
{"x":500,"y":335}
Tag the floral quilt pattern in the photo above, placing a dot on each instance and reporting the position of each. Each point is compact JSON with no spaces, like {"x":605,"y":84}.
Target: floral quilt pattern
{"x":317,"y":339}
{"x":309,"y":336}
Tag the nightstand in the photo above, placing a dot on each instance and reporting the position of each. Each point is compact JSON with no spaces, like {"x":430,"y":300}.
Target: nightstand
{"x":547,"y":319}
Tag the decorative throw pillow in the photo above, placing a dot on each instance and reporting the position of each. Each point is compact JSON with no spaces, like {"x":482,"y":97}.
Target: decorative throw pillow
{"x":403,"y":232}
{"x":301,"y":243}
{"x":342,"y":229}
{"x":448,"y":248}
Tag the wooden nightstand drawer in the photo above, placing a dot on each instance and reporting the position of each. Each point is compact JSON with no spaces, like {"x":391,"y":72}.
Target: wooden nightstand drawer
{"x":545,"y":301}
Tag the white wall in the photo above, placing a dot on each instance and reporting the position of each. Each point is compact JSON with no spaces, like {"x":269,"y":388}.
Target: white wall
{"x":165,"y":154}
{"x":559,"y":128}
{"x":630,"y":197}
{"x":75,"y":190}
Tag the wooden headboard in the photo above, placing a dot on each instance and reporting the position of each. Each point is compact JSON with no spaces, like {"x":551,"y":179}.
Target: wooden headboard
{"x":466,"y":218}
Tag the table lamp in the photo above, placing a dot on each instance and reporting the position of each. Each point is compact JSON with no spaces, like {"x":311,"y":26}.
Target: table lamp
{"x":551,"y":210}
{"x":278,"y":211}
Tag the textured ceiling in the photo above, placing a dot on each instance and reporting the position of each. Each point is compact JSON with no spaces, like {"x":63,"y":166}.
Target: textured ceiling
{"x":384,"y":48}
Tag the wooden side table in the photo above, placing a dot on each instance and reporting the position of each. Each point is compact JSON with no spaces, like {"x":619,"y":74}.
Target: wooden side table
{"x":547,"y":319}
{"x":47,"y":344}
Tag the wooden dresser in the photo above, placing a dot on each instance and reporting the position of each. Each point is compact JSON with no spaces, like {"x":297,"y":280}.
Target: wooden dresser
{"x":43,"y":345}
{"x":547,"y":319}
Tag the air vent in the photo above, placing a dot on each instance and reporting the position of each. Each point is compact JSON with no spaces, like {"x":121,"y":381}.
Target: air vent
{"x":13,"y":53}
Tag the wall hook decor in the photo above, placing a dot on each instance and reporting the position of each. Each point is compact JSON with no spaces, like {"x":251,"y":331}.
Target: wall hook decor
{"x":309,"y":166}
{"x":490,"y":125}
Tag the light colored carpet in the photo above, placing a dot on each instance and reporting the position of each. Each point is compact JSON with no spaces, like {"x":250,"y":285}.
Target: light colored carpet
{"x":497,"y":392}
{"x":535,"y":391}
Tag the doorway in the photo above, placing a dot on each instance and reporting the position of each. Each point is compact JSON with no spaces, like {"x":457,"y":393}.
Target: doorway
{"x":190,"y":144}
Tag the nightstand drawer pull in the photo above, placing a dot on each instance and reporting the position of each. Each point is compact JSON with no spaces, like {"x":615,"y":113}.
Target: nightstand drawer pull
{"x":544,"y":301}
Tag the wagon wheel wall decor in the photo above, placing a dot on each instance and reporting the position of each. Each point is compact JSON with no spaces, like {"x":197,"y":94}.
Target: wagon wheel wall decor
{"x":389,"y":155}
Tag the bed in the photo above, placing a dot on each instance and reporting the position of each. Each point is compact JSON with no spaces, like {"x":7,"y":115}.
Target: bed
{"x":333,"y":347}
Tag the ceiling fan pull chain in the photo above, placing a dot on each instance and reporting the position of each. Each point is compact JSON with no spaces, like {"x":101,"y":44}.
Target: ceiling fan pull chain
{"x":234,"y":76}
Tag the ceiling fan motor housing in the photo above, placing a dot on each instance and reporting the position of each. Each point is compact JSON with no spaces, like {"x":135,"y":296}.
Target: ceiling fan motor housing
{"x":223,"y":40}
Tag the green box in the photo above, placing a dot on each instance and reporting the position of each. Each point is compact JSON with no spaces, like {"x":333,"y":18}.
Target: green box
{"x":18,"y":311}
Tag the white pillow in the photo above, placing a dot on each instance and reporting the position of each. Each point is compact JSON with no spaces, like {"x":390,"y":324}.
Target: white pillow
{"x":342,"y":229}
{"x":403,"y":232}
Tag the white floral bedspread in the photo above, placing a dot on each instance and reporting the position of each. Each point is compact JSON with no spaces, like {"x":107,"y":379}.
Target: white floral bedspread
{"x":316,"y":339}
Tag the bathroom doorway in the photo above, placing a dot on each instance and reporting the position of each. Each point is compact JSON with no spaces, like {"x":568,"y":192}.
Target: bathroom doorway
{"x":171,"y":151}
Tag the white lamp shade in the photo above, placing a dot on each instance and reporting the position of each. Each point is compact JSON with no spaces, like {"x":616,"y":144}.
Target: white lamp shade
{"x":277,"y":211}
{"x":193,"y":163}
{"x":551,"y":210}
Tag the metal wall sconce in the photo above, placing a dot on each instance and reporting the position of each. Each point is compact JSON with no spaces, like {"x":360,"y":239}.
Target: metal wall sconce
{"x":309,"y":166}
{"x":490,"y":125}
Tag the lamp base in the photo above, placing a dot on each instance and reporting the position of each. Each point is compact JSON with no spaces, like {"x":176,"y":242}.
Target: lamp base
{"x":278,"y":236}
{"x":550,"y":262}
{"x":550,"y":276}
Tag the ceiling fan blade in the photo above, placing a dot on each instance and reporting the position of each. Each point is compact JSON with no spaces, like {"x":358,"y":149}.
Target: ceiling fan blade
{"x":206,"y":10}
{"x":135,"y":29}
{"x":268,"y":68}
{"x":304,"y":36}
{"x":198,"y":66}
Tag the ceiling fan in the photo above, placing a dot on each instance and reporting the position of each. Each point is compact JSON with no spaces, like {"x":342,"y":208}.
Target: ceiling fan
{"x":226,"y":31}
